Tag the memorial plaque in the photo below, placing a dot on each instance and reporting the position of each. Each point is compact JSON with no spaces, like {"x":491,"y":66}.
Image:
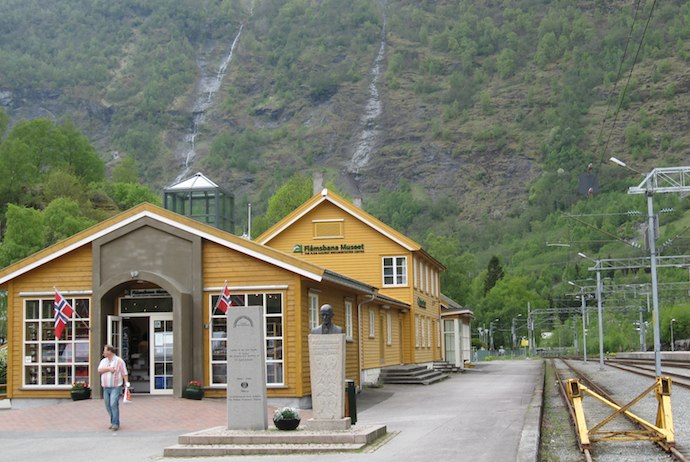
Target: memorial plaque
{"x":246,"y":369}
{"x":327,"y":370}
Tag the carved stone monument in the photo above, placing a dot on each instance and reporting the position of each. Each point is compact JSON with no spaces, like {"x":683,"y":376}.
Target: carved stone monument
{"x":246,"y":369}
{"x":327,"y":369}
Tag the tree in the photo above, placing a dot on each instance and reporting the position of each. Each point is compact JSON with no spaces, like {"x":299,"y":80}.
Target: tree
{"x":25,"y":234}
{"x":4,"y":122}
{"x":126,"y":171}
{"x":63,"y":218}
{"x":286,"y":199}
{"x":494,"y":274}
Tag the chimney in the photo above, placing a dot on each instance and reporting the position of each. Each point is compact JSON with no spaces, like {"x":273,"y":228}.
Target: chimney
{"x":317,"y":182}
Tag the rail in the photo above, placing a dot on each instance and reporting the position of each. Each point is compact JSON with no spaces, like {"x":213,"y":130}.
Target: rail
{"x":572,"y":392}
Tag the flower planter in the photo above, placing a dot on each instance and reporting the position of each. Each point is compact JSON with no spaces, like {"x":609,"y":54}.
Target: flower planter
{"x":81,"y":393}
{"x":193,"y":393}
{"x":286,"y":424}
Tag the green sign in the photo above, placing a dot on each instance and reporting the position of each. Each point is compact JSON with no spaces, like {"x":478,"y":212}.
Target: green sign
{"x":327,"y":249}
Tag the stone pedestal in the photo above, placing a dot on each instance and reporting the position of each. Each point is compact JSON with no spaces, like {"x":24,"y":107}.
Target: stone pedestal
{"x":246,"y":369}
{"x":327,"y":369}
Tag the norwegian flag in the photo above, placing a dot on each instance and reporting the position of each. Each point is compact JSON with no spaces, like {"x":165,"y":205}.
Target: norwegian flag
{"x":224,"y":301}
{"x":63,"y":312}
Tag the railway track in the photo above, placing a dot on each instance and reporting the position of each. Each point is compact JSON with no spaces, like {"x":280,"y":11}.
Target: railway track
{"x":679,"y":371}
{"x":596,"y":413}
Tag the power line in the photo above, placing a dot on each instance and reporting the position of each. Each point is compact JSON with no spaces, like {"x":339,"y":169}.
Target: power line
{"x":627,"y":82}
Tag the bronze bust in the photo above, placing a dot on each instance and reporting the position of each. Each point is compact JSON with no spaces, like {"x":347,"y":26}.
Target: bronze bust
{"x":327,"y":326}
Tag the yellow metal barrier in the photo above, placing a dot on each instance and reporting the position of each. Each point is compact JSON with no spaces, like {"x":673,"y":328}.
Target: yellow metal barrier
{"x":662,"y":432}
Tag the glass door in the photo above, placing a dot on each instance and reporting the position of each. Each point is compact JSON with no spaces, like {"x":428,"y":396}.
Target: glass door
{"x":449,"y":340}
{"x":161,"y":352}
{"x":115,"y":333}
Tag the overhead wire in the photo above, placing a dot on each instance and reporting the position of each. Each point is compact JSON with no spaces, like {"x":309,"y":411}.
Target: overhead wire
{"x":627,"y":82}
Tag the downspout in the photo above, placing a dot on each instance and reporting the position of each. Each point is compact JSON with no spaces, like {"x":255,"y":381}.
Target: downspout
{"x":359,"y":338}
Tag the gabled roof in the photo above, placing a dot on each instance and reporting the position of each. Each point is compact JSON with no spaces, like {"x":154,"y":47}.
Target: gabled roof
{"x":329,"y":196}
{"x":197,"y":181}
{"x":451,"y":307}
{"x":230,"y":241}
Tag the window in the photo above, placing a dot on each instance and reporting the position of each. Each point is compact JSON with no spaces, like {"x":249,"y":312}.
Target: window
{"x":416,"y":331}
{"x":421,"y":276}
{"x":273,"y":316}
{"x":438,"y":339}
{"x":389,"y":335}
{"x":433,"y":282}
{"x":394,"y":271}
{"x":428,"y":333}
{"x":372,"y":324}
{"x":414,"y":271}
{"x":313,"y":310}
{"x":55,"y":362}
{"x":426,"y":279}
{"x":423,"y":332}
{"x":348,"y":319}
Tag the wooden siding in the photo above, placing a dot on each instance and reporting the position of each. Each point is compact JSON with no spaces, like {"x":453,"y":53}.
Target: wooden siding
{"x":221,"y":264}
{"x":368,"y":267}
{"x":336,"y":298}
{"x":365,"y":267}
{"x":70,"y":272}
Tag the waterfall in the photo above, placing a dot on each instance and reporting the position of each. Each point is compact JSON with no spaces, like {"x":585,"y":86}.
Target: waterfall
{"x":205,"y":93}
{"x":370,"y":132}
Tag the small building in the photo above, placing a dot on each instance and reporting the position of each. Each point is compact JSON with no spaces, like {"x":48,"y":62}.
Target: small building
{"x":457,"y":336}
{"x":330,"y":231}
{"x":147,"y":281}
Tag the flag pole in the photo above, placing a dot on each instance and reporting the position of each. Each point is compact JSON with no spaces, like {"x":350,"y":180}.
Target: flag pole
{"x":74,"y":311}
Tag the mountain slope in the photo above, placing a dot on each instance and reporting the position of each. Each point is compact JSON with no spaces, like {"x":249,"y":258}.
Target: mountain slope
{"x":487,"y":109}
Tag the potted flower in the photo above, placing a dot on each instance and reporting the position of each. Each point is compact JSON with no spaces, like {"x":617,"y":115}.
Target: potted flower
{"x":79,"y":391}
{"x":286,"y":418}
{"x":193,"y":390}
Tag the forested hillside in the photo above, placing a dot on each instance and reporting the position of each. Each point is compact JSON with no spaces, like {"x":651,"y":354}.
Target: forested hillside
{"x":465,"y":124}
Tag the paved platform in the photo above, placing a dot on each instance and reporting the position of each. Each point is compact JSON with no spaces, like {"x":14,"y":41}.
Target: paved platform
{"x":485,"y":414}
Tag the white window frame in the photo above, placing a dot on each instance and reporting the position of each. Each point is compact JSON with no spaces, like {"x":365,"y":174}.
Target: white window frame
{"x":63,"y":367}
{"x":372,"y":323}
{"x":398,"y":269}
{"x":277,"y":342}
{"x":389,"y":333}
{"x":423,"y":343}
{"x":313,"y":310}
{"x":415,"y":275}
{"x":348,"y":319}
{"x":438,"y":343}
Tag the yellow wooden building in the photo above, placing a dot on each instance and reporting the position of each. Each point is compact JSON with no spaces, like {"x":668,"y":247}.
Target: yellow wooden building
{"x":147,"y":281}
{"x":330,"y":231}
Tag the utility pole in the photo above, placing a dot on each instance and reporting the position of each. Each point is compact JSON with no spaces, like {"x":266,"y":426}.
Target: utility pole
{"x":659,"y":180}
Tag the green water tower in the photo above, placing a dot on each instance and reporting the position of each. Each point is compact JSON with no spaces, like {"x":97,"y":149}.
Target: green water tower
{"x":199,"y":198}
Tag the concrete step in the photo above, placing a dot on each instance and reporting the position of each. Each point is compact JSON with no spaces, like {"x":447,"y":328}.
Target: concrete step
{"x":413,"y":374}
{"x":218,"y":441}
{"x":428,"y":380}
{"x":446,"y":367}
{"x":403,"y":369}
{"x":202,"y":450}
{"x":219,"y":435}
